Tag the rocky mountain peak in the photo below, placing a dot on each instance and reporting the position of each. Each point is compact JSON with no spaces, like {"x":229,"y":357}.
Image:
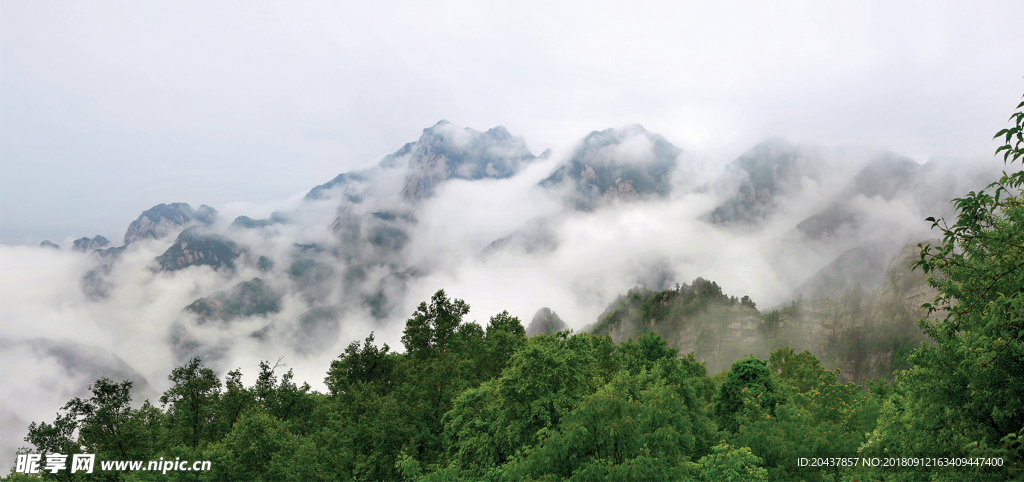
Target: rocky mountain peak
{"x":617,"y":164}
{"x":196,"y":247}
{"x":445,"y":151}
{"x":248,"y":298}
{"x":162,"y":219}
{"x":85,"y":244}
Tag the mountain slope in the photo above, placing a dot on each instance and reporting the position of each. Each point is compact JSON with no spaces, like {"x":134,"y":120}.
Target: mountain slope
{"x":616,"y":164}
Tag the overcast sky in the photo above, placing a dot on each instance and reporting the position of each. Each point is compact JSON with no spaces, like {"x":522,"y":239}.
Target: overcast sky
{"x":108,"y":108}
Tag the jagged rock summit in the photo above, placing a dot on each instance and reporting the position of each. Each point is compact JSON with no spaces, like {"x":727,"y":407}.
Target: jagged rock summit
{"x":446,"y":152}
{"x":86,"y":244}
{"x":442,"y":152}
{"x":616,"y":164}
{"x":163,"y":219}
{"x":196,"y":247}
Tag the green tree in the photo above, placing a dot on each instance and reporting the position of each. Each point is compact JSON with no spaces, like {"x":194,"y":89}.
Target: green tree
{"x":730,"y":464}
{"x":234,"y":401}
{"x":259,"y":447}
{"x":968,"y":389}
{"x":977,"y":270}
{"x":800,"y":371}
{"x":106,"y":426}
{"x":505,"y":334}
{"x":362,"y":365}
{"x":442,"y":356}
{"x":433,"y":327}
{"x":543,"y":381}
{"x":57,"y":437}
{"x":820,"y":417}
{"x":192,"y":403}
{"x":284,"y":399}
{"x":747,"y":378}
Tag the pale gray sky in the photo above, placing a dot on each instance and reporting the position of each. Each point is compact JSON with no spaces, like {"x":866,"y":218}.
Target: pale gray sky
{"x":108,"y":108}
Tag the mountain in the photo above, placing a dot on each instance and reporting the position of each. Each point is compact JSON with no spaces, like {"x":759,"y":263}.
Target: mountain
{"x":359,"y":244}
{"x":157,"y":222}
{"x":246,"y":299}
{"x":443,"y":152}
{"x":376,"y":210}
{"x":887,"y":178}
{"x":545,"y":322}
{"x":861,"y":267}
{"x":78,"y":361}
{"x":87,"y":244}
{"x":536,"y":236}
{"x":196,"y":247}
{"x":616,"y":165}
{"x":865,"y":333}
{"x":163,"y":219}
{"x":696,"y":317}
{"x":765,"y":173}
{"x":245,"y":222}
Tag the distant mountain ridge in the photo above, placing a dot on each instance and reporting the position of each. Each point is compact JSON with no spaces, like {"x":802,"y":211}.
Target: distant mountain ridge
{"x":364,"y":257}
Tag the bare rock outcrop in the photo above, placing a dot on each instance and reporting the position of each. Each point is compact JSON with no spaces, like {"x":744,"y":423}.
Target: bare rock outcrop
{"x":164,"y":219}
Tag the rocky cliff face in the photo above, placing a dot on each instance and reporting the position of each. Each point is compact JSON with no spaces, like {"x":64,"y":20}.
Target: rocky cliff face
{"x":195,"y":247}
{"x":617,"y":165}
{"x":859,"y":268}
{"x":164,"y":219}
{"x":441,"y":153}
{"x":903,"y":289}
{"x":695,"y":318}
{"x":376,"y":210}
{"x":445,"y":152}
{"x":86,"y":244}
{"x":867,"y":334}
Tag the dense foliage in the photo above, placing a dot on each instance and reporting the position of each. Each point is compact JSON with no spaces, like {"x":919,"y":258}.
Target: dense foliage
{"x":467,"y":403}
